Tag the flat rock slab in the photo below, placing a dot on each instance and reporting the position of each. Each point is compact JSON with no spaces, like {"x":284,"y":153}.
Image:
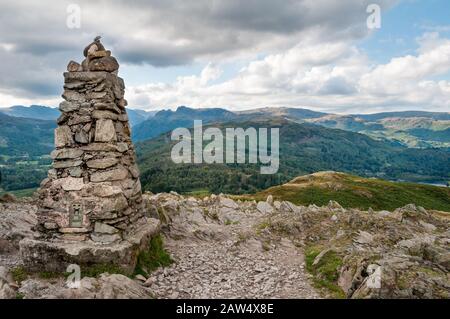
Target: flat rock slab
{"x":86,"y":76}
{"x":55,"y":256}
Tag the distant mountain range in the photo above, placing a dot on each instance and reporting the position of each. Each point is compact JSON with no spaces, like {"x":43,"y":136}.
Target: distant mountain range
{"x":304,"y":148}
{"x":415,"y":129}
{"x":167,"y":120}
{"x":37,"y":112}
{"x":412,"y":146}
{"x":411,"y":128}
{"x":40,"y":112}
{"x":418,"y":129}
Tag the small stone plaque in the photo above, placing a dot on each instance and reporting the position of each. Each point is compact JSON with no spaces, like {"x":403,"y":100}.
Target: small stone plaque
{"x":76,"y":216}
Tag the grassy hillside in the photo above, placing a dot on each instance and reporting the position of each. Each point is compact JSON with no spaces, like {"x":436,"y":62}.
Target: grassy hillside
{"x":413,"y":129}
{"x":357,"y":192}
{"x":37,"y":112}
{"x":167,"y":120}
{"x":304,"y":149}
{"x":28,"y":192}
{"x":23,"y":136}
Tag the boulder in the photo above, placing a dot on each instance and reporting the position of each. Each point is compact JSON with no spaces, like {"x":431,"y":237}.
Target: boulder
{"x":66,"y":164}
{"x":122,"y":148}
{"x":103,"y":114}
{"x":228,"y":203}
{"x":66,"y":106}
{"x":107,"y":106}
{"x":55,"y":256}
{"x":334,"y":205}
{"x":107,"y":286}
{"x":79,"y":119}
{"x":264,"y":208}
{"x":105,"y":229}
{"x":71,"y":183}
{"x":74,"y":67}
{"x":75,"y":171}
{"x":82,"y":137}
{"x":99,"y":147}
{"x":63,"y":136}
{"x":102,"y":163}
{"x":105,"y":131}
{"x":112,"y":175}
{"x":101,"y":189}
{"x":114,"y":204}
{"x":107,"y":63}
{"x":364,"y":238}
{"x":99,"y":54}
{"x":8,"y":198}
{"x":67,"y":153}
{"x":73,"y":96}
{"x":6,"y":291}
{"x":122,"y":103}
{"x":105,"y":238}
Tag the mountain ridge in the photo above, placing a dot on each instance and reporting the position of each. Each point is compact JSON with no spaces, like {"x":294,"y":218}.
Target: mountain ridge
{"x":40,"y":112}
{"x":378,"y":125}
{"x":304,"y":148}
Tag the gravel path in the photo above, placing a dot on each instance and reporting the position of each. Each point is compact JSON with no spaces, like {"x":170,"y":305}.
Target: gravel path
{"x":232,"y":266}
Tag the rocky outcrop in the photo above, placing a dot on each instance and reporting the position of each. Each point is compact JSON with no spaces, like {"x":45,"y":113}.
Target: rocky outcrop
{"x":221,"y":250}
{"x":227,"y":248}
{"x":107,"y":286}
{"x":16,"y":223}
{"x":400,"y":254}
{"x":56,"y":256}
{"x":7,"y":284}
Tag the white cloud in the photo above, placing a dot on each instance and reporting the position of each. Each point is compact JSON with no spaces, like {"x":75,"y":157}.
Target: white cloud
{"x":309,"y":54}
{"x":37,"y":44}
{"x":332,"y":76}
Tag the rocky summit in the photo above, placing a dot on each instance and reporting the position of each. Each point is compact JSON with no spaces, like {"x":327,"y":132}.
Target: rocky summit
{"x":222,"y":247}
{"x":92,"y":195}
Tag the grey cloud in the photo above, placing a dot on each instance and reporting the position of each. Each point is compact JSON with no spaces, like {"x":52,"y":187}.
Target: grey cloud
{"x":162,"y":32}
{"x":337,"y":86}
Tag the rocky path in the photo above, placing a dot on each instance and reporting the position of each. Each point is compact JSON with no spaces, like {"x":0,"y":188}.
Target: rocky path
{"x":231,"y":262}
{"x":212,"y":270}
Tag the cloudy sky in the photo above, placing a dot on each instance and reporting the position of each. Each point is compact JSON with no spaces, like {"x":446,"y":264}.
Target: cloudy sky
{"x":318,"y":54}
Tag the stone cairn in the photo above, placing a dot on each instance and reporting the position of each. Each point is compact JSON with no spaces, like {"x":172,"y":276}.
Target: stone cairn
{"x":93,"y":192}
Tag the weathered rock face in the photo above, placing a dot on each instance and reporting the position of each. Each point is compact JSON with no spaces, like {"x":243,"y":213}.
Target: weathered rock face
{"x":94,"y":179}
{"x":105,"y":287}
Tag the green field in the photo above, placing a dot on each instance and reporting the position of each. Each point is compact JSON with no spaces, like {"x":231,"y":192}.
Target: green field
{"x":357,"y":192}
{"x":21,"y":193}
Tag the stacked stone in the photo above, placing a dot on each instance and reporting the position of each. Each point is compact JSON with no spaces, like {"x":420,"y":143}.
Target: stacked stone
{"x":93,"y":191}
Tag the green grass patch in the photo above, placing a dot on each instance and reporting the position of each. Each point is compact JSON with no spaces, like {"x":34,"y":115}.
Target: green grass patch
{"x":326,"y":272}
{"x":20,"y":295}
{"x":98,"y":269}
{"x":28,"y":192}
{"x":362,"y":193}
{"x":261,"y":226}
{"x":152,"y":258}
{"x":230,"y":222}
{"x":19,"y":274}
{"x":51,"y":274}
{"x":198,"y":193}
